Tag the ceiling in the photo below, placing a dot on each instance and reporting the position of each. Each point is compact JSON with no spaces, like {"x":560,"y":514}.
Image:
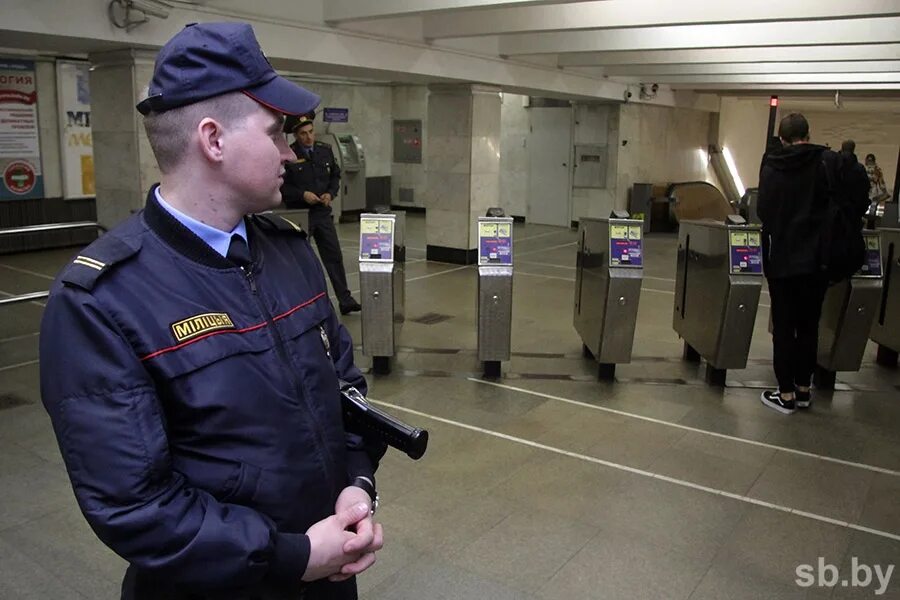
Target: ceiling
{"x":831,"y":54}
{"x":736,"y":46}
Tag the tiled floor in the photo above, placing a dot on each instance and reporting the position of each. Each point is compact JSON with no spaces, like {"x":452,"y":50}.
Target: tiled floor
{"x":551,"y":485}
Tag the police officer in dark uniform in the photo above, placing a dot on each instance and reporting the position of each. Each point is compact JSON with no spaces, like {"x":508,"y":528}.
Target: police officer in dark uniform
{"x":196,"y":396}
{"x":312,"y":182}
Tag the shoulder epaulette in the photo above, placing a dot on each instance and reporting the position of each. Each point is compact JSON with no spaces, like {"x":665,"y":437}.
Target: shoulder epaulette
{"x":95,"y":260}
{"x":271,"y":221}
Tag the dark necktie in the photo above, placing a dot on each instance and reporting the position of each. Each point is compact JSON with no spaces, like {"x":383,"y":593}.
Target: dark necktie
{"x":238,"y":251}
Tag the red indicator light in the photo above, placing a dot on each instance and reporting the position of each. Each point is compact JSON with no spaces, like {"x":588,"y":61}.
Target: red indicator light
{"x":773,"y":101}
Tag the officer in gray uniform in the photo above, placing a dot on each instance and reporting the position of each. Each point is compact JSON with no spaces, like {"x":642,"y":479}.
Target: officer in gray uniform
{"x":312,"y":182}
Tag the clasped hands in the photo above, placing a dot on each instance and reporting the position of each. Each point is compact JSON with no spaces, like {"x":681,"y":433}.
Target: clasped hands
{"x":311,"y":198}
{"x":344,"y":544}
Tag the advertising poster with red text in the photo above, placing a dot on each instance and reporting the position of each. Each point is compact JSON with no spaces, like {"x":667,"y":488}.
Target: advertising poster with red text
{"x":20,"y":153}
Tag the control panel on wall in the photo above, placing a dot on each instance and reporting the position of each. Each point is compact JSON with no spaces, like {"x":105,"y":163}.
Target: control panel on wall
{"x":408,"y":141}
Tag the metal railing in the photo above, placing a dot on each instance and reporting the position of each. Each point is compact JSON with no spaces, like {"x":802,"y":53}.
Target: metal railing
{"x":31,"y":296}
{"x":51,"y":227}
{"x":24,"y":297}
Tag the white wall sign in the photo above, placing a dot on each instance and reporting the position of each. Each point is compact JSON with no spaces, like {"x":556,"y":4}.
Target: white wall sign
{"x":77,"y":150}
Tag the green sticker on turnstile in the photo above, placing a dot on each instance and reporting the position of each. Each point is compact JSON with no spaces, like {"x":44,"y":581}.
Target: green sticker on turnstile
{"x":739,"y":238}
{"x":618,"y":232}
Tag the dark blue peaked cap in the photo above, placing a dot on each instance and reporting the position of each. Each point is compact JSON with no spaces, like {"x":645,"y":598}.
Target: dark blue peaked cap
{"x":209,"y":59}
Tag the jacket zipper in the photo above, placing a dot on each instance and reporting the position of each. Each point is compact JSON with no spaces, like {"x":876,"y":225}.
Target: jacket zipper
{"x":282,"y":354}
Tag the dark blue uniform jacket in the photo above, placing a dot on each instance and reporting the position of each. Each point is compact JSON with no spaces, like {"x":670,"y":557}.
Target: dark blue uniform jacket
{"x":318,"y":174}
{"x":197,"y":407}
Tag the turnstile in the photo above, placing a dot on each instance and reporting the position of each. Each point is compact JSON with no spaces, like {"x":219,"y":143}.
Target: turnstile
{"x":297,"y":216}
{"x":351,"y":157}
{"x":495,"y":283}
{"x":717,"y":287}
{"x":886,"y":328}
{"x":608,"y":276}
{"x":847,"y":314}
{"x":382,"y":257}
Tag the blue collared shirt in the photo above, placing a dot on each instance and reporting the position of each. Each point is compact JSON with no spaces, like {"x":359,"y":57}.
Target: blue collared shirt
{"x":217,"y":239}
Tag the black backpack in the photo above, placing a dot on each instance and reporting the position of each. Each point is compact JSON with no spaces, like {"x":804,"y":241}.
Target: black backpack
{"x":843,"y":248}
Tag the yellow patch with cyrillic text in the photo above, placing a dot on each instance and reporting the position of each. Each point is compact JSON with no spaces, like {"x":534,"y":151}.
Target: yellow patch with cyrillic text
{"x":198,"y":325}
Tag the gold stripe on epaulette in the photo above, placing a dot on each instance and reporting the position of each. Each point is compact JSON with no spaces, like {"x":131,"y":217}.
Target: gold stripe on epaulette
{"x":89,"y":262}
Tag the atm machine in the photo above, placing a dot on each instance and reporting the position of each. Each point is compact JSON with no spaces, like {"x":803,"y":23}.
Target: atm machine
{"x":351,"y":157}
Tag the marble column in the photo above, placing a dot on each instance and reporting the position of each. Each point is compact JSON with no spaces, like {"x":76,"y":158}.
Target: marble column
{"x":462,"y":150}
{"x":124,"y":166}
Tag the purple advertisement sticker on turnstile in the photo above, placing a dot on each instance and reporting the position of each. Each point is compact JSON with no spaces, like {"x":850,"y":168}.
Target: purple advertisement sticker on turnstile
{"x":625,"y":246}
{"x":494,"y":243}
{"x":376,"y":239}
{"x":872,"y":265}
{"x":746,"y":252}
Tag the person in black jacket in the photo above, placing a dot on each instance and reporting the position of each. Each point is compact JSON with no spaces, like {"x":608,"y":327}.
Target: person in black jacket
{"x":851,"y":182}
{"x":312,"y":181}
{"x":794,"y":192}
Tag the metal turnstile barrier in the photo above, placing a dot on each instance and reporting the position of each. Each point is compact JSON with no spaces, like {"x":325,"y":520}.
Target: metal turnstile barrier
{"x":886,"y":327}
{"x":297,"y":216}
{"x":717,"y":288}
{"x":495,"y":284}
{"x":608,"y":276}
{"x":382,"y":257}
{"x":848,"y":311}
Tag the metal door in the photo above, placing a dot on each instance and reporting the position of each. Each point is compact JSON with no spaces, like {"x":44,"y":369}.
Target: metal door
{"x":550,"y":171}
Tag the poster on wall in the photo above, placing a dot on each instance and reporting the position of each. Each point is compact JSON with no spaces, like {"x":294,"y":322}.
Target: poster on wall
{"x":77,"y":152}
{"x":20,"y":149}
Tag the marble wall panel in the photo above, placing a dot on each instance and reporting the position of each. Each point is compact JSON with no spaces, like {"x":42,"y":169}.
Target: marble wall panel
{"x":117,"y":155}
{"x":48,"y":128}
{"x":486,"y":113}
{"x":485,"y":192}
{"x":448,"y":191}
{"x":485,"y":151}
{"x":514,"y":130}
{"x":666,"y":148}
{"x":450,"y":114}
{"x":112,"y":105}
{"x":448,"y":228}
{"x":449,"y":154}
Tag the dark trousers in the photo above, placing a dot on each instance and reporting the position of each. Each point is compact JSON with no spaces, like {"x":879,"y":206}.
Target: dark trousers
{"x":796,"y":308}
{"x":321,"y":228}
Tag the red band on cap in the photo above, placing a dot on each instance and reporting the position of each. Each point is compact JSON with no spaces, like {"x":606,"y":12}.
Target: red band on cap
{"x":267,"y":105}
